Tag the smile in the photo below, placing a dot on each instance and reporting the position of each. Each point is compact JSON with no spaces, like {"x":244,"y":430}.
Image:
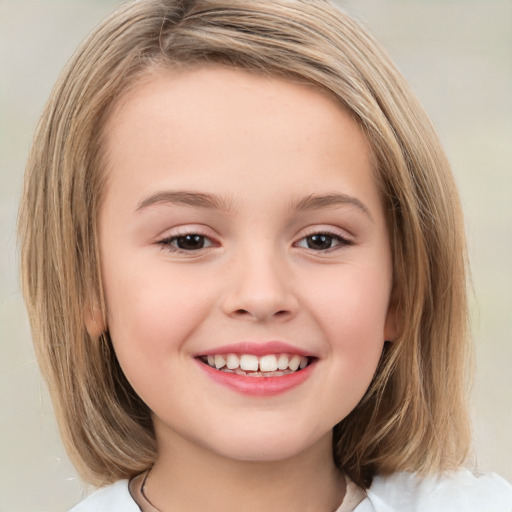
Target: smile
{"x":250,"y":365}
{"x":258,"y":369}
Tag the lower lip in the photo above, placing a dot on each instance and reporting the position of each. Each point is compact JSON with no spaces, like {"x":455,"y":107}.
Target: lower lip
{"x":258,"y":386}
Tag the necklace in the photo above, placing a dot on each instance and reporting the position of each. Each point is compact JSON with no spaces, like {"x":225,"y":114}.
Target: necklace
{"x":353,"y":495}
{"x":148,"y":506}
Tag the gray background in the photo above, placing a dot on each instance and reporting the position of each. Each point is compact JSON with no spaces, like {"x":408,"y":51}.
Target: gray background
{"x":457,"y":56}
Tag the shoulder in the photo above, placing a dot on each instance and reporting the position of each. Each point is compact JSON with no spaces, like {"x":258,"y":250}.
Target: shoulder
{"x":113,"y":498}
{"x":459,"y":491}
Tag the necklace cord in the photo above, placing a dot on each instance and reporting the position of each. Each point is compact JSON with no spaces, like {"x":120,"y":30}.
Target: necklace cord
{"x":142,"y":489}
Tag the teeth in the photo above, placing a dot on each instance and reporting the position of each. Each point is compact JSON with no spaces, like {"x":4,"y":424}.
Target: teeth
{"x":293,"y":364}
{"x":268,"y":363}
{"x":271,"y":365}
{"x":249,"y":363}
{"x":219,"y":362}
{"x":232,"y":361}
{"x":282,"y":362}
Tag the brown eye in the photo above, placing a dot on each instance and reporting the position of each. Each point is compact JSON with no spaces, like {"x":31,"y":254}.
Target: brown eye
{"x":320,"y":242}
{"x":189,"y":242}
{"x":323,"y":241}
{"x":186,"y":243}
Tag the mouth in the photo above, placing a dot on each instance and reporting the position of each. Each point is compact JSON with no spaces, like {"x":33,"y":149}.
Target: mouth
{"x":251,"y":365}
{"x":258,"y":369}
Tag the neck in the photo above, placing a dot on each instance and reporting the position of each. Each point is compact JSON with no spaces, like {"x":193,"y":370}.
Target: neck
{"x":191,"y":478}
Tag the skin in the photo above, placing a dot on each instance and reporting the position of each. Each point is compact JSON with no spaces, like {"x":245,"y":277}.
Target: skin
{"x":260,"y":146}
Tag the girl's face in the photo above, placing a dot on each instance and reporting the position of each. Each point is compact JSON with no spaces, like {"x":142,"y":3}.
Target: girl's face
{"x":241,"y":217}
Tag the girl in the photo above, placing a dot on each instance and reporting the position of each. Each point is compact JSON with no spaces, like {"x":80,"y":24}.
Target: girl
{"x":252,"y":293}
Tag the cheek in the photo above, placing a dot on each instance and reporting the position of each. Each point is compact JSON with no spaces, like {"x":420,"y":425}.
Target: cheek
{"x":353,"y":315}
{"x":150,"y":318}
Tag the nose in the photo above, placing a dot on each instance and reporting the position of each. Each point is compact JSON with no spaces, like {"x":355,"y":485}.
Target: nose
{"x":260,"y":289}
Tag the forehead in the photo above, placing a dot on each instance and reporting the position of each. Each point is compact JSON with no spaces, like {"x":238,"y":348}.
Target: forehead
{"x":218,"y":125}
{"x":204,"y":91}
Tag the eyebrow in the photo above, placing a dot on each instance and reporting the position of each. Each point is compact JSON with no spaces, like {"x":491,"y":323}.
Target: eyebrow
{"x":210,"y":201}
{"x":316,"y":202}
{"x":184,"y":198}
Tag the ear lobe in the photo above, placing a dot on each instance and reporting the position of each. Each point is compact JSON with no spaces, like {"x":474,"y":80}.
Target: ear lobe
{"x":391,"y":327}
{"x":94,"y":322}
{"x":393,"y":323}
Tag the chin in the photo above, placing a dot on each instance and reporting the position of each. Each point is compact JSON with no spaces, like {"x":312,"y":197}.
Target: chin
{"x":267,"y":447}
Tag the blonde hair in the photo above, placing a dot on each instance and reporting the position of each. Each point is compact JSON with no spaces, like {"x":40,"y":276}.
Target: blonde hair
{"x":414,"y":415}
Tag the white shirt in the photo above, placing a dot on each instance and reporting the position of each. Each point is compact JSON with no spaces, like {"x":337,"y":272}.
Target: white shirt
{"x":400,"y":492}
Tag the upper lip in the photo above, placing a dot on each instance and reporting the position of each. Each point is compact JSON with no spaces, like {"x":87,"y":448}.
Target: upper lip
{"x":257,"y":349}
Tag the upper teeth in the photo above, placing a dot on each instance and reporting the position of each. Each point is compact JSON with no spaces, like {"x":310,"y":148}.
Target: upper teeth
{"x":249,"y":362}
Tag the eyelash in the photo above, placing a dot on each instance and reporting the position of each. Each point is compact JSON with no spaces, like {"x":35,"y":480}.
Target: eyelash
{"x":166,"y":243}
{"x":343,"y":241}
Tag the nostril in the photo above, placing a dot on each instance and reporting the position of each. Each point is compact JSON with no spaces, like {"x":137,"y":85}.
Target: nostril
{"x":261,"y":315}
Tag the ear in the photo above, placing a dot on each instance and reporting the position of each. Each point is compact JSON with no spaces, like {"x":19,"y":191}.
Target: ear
{"x":94,"y":321}
{"x":394,"y":321}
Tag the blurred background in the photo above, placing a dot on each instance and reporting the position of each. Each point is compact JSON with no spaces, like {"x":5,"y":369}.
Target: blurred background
{"x":456,"y":54}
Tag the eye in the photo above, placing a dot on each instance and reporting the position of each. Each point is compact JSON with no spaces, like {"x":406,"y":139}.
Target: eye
{"x":186,"y":243}
{"x":323,"y":241}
